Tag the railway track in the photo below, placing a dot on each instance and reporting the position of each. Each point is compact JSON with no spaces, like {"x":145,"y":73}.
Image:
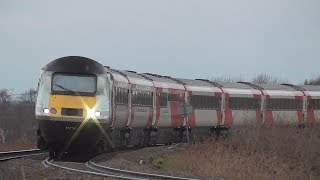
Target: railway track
{"x":5,"y":156}
{"x":103,"y":171}
{"x":130,"y":174}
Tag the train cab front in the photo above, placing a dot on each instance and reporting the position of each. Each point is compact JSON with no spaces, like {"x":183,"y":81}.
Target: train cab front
{"x":72,"y":108}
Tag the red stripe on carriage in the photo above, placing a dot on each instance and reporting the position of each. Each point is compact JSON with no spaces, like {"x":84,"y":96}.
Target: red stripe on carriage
{"x":158,"y":109}
{"x":114,"y":110}
{"x":228,"y":112}
{"x":258,"y":112}
{"x":132,"y":114}
{"x":176,"y":119}
{"x":299,"y":112}
{"x":127,"y":117}
{"x":311,"y":118}
{"x":268,"y":115}
{"x":192,"y":117}
{"x":219,"y":114}
{"x":149,"y":122}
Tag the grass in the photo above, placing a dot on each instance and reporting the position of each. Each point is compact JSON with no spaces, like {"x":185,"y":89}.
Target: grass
{"x":283,"y":152}
{"x":161,"y":162}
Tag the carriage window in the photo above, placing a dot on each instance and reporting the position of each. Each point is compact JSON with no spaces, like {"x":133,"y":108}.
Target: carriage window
{"x":163,"y":100}
{"x":284,"y":104}
{"x":241,"y":103}
{"x":314,"y":104}
{"x":142,"y":98}
{"x":205,"y":102}
{"x":121,"y":96}
{"x":175,"y":97}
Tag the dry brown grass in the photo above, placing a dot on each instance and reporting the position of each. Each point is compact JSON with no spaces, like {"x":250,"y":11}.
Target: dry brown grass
{"x":20,"y":144}
{"x":282,"y":152}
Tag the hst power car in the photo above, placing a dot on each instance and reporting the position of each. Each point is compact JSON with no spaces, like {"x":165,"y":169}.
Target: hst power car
{"x":73,"y":104}
{"x":81,"y":102}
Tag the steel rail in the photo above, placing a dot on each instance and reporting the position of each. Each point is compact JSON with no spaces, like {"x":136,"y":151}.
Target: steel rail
{"x":131,"y":174}
{"x":102,"y":171}
{"x":5,"y":156}
{"x":50,"y":162}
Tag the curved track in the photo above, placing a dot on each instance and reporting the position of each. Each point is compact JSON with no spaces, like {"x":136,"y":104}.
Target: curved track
{"x":5,"y":156}
{"x":98,"y":170}
{"x":130,"y":174}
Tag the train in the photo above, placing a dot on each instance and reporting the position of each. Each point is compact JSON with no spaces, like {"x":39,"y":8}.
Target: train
{"x":82,"y":103}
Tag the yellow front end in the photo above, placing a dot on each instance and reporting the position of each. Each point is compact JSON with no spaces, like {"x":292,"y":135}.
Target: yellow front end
{"x":71,"y":106}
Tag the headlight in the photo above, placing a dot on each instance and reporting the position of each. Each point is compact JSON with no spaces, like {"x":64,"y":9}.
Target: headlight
{"x":97,"y":113}
{"x":92,"y":113}
{"x":46,"y":110}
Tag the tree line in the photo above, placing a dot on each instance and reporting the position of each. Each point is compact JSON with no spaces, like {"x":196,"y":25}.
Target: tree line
{"x":17,"y":118}
{"x":314,"y":81}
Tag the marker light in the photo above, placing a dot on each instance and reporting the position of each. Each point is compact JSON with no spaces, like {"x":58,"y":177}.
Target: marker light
{"x":53,"y":111}
{"x":46,"y":110}
{"x":97,"y":113}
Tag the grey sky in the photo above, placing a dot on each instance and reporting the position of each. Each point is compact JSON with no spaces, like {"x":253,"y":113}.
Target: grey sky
{"x":191,"y":39}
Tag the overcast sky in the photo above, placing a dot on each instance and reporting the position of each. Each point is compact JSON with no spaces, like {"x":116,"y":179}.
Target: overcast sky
{"x":180,"y":38}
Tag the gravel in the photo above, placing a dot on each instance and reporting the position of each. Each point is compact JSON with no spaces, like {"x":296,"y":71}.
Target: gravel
{"x":131,"y":160}
{"x":32,"y":167}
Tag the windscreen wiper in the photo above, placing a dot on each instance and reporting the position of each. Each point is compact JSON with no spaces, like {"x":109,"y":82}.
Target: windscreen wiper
{"x":64,"y":88}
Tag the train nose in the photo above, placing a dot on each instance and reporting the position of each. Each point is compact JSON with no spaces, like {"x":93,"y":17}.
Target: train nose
{"x":56,"y":132}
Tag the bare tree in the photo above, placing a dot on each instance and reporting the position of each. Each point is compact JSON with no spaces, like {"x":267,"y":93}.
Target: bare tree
{"x":17,"y":120}
{"x":227,"y":79}
{"x":5,"y":102}
{"x":315,"y":81}
{"x":265,"y":78}
{"x":26,"y":118}
{"x":3,"y":134}
{"x":28,"y":96}
{"x":5,"y":96}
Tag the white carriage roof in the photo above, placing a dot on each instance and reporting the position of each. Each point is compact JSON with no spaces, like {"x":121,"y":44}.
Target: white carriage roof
{"x":132,"y":74}
{"x":276,"y":87}
{"x":313,"y":94}
{"x":192,"y":82}
{"x":242,"y":91}
{"x":164,"y":81}
{"x":282,"y":93}
{"x":310,"y":87}
{"x":159,"y":78}
{"x":235,"y":85}
{"x":119,"y":76}
{"x":138,"y":79}
{"x":177,"y":83}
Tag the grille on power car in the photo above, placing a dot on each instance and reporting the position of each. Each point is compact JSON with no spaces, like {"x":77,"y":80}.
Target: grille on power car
{"x":71,"y":112}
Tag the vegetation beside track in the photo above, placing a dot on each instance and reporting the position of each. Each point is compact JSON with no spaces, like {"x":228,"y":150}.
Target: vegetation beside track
{"x":20,"y":144}
{"x":256,"y":153}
